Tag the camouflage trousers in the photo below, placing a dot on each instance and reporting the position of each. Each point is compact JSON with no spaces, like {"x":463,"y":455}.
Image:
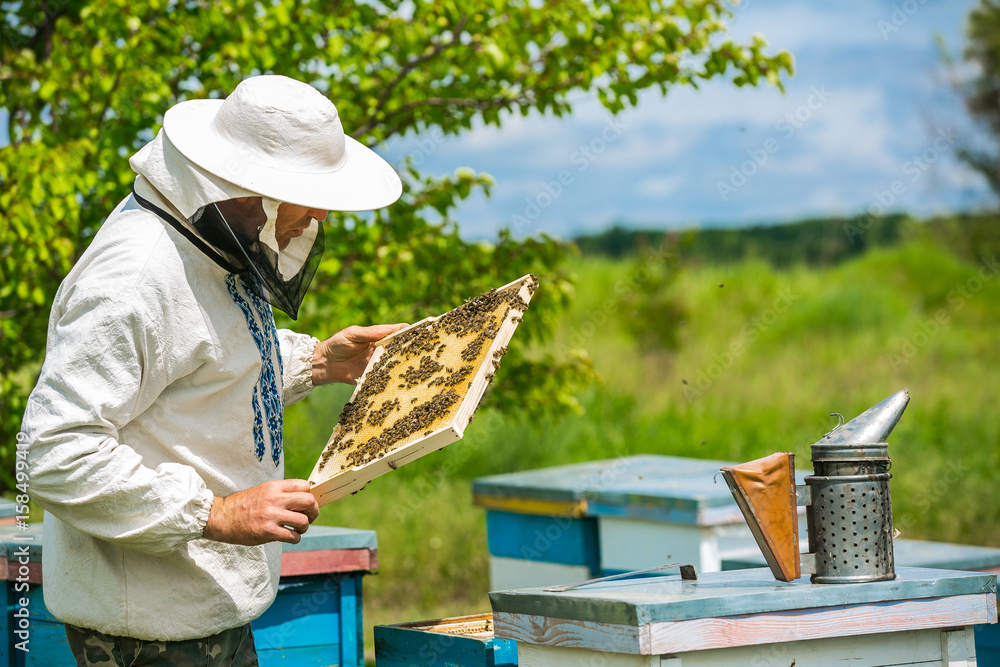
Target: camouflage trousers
{"x":230,"y":648}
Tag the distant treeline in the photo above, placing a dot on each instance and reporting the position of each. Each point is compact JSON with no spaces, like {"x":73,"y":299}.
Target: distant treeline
{"x":816,"y":242}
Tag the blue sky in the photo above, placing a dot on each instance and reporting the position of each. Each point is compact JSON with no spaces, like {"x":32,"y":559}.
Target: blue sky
{"x":869,"y":110}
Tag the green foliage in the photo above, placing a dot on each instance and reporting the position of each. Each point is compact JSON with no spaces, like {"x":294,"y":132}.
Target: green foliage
{"x":968,"y":235}
{"x":654,"y":314}
{"x":85,"y":84}
{"x":816,"y":242}
{"x":821,"y":242}
{"x":982,"y":93}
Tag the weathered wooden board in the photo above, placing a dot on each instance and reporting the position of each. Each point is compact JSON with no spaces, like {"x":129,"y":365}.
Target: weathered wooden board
{"x":329,"y":550}
{"x":420,"y":390}
{"x":920,"y":553}
{"x":917,"y":648}
{"x":640,"y":602}
{"x":841,"y":621}
{"x":8,"y":513}
{"x":13,"y":542}
{"x":465,"y":641}
{"x":748,"y":629}
{"x":323,"y":561}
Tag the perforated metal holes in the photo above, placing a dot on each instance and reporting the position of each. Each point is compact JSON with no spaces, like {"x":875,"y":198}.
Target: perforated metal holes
{"x":852,"y":528}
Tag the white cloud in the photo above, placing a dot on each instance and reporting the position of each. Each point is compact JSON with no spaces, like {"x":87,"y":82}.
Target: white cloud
{"x":658,"y":186}
{"x":794,"y":25}
{"x":854,"y":127}
{"x":797,"y":25}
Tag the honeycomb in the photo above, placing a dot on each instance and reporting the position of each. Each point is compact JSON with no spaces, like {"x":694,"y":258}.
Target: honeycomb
{"x":423,"y":379}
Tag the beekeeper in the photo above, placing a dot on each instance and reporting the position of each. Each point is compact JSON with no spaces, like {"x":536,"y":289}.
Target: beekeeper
{"x":155,"y":430}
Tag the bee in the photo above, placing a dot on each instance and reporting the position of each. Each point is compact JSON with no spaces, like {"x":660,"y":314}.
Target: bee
{"x":424,"y":352}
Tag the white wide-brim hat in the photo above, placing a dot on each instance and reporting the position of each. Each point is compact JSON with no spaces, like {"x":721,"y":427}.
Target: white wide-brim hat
{"x":282,"y":139}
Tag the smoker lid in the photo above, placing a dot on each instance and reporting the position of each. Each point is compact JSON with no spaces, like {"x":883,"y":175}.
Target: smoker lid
{"x":872,"y":426}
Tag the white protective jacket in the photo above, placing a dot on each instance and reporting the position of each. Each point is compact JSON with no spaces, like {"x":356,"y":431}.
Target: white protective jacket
{"x":155,"y":397}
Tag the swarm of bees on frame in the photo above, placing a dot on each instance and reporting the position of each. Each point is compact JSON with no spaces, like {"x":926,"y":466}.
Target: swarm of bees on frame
{"x":419,"y":382}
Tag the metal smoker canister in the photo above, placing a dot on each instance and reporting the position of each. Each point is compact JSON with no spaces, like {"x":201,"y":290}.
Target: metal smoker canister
{"x":850,"y":518}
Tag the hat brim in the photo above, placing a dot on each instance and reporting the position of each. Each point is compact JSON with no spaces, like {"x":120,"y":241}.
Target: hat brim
{"x":363,"y":182}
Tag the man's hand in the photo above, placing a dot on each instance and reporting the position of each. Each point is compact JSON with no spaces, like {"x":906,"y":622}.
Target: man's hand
{"x":343,"y":356}
{"x":273,"y":511}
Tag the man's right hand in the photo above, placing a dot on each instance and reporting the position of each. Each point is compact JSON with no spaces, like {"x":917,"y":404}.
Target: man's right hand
{"x":273,"y":511}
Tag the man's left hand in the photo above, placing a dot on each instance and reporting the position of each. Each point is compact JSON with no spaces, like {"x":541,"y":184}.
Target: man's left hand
{"x":344,"y":356}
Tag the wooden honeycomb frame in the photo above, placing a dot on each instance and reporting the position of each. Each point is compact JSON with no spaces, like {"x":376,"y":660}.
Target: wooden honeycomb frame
{"x":419,"y":390}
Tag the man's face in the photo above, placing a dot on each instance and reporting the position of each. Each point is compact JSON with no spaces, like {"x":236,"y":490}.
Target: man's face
{"x":293,"y":220}
{"x":247,"y":213}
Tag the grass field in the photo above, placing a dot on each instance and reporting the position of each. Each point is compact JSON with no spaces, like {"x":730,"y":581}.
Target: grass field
{"x":751,"y":360}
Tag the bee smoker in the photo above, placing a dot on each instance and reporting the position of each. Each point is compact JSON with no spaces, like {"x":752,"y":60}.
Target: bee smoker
{"x":847,"y":501}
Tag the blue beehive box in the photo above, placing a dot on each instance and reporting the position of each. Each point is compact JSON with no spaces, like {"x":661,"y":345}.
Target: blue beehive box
{"x":21,"y":551}
{"x":465,"y":641}
{"x":315,"y":619}
{"x":570,"y":523}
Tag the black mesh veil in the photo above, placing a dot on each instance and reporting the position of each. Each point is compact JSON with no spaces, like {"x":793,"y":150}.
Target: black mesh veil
{"x":283,"y":273}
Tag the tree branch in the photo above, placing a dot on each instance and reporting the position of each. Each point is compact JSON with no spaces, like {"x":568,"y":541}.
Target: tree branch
{"x":406,"y":69}
{"x":107,"y":101}
{"x":478,"y":104}
{"x":41,"y":41}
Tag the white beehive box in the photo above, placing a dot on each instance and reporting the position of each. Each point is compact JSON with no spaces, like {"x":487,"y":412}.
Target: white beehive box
{"x":420,"y":390}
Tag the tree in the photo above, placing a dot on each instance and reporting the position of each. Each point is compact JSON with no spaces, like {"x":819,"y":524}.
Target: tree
{"x":982,"y":93}
{"x":85,"y":84}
